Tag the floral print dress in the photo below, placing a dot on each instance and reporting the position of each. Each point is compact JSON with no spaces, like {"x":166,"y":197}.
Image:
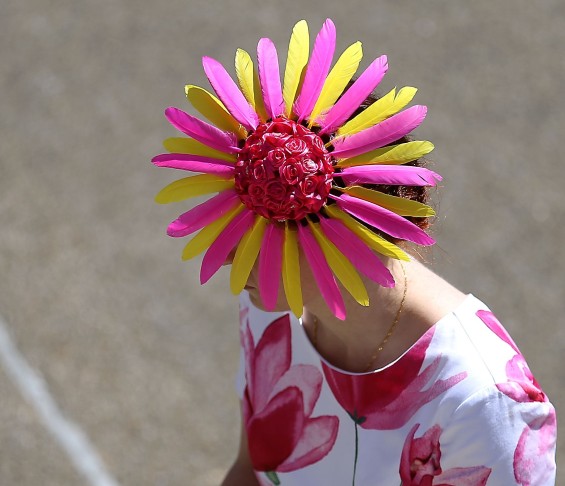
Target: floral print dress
{"x":459,"y":408}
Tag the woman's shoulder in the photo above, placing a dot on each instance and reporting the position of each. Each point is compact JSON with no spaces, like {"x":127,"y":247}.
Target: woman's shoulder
{"x":431,"y":296}
{"x":463,"y":333}
{"x":470,"y":339}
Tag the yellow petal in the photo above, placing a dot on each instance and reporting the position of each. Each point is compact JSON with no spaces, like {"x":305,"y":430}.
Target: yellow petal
{"x":181,"y":145}
{"x":298,"y":51}
{"x":191,"y":187}
{"x":208,"y":234}
{"x":337,"y":80}
{"x":291,"y":271}
{"x":214,"y":110}
{"x":398,"y":205}
{"x":380,"y":110}
{"x":249,"y":82}
{"x":393,"y":154}
{"x":246,"y":254}
{"x":341,"y":267}
{"x":373,"y":240}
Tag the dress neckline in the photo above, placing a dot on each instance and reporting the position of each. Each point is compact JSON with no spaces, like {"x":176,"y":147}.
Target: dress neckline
{"x":469,"y":302}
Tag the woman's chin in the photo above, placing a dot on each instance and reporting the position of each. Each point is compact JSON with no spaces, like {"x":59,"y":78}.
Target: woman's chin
{"x":254,"y":296}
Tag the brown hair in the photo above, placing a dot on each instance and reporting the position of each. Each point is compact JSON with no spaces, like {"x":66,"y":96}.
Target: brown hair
{"x":415,"y":193}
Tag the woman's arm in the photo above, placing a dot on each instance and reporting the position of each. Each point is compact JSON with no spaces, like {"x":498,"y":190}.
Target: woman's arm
{"x":241,"y":473}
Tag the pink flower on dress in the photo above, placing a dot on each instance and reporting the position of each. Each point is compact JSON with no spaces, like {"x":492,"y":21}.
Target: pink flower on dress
{"x":534,"y":462}
{"x":387,"y":399}
{"x":278,"y":404}
{"x":534,"y":458}
{"x":521,"y":385}
{"x":420,"y":463}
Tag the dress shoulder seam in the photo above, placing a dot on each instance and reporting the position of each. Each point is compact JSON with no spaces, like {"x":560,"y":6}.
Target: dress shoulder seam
{"x":476,"y":348}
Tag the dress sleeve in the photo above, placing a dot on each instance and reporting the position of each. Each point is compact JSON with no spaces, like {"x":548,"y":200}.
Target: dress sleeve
{"x":240,"y":380}
{"x":500,"y":437}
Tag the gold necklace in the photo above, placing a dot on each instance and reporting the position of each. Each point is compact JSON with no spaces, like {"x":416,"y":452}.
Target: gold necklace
{"x":391,"y":329}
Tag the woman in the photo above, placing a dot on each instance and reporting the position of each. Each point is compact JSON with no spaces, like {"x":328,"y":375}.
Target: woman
{"x":402,"y":379}
{"x":450,"y":401}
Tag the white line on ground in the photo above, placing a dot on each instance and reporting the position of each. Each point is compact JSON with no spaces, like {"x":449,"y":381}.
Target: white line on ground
{"x":69,"y":435}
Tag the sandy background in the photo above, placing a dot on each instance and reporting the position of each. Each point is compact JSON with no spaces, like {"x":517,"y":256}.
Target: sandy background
{"x":93,"y":292}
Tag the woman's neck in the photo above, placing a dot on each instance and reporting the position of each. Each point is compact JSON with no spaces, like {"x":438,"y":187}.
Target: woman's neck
{"x":353,"y":344}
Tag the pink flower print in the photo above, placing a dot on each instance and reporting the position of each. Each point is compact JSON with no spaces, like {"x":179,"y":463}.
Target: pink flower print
{"x":495,"y":326}
{"x":420,"y":463}
{"x":534,"y":458}
{"x":387,"y":399}
{"x":243,"y":313}
{"x":420,"y":457}
{"x":278,"y":403}
{"x":521,"y":385}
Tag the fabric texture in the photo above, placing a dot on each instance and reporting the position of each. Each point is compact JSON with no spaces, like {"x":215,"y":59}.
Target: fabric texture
{"x":459,"y":408}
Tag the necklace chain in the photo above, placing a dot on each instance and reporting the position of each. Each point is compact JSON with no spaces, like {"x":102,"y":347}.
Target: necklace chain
{"x":389,"y":333}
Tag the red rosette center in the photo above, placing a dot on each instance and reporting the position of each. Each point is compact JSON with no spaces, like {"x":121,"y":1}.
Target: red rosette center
{"x":283,"y":171}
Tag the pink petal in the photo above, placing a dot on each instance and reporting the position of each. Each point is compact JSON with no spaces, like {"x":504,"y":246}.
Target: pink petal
{"x":218,"y":252}
{"x":464,"y":476}
{"x":425,"y":455}
{"x":230,"y":94}
{"x":270,"y":265}
{"x":188,"y":161}
{"x":381,"y":134}
{"x":317,"y":440}
{"x":317,"y":70}
{"x":203,"y":214}
{"x":357,"y":252}
{"x":354,"y":96}
{"x":515,"y":391}
{"x":521,"y":385}
{"x":274,"y":433}
{"x":517,"y":369}
{"x":534,"y":461}
{"x":401,"y":175}
{"x":270,"y":361}
{"x":383,"y":219}
{"x":195,"y":163}
{"x":419,"y":392}
{"x":405,"y":465}
{"x":321,"y":271}
{"x":307,"y":378}
{"x":203,"y":132}
{"x":269,"y":76}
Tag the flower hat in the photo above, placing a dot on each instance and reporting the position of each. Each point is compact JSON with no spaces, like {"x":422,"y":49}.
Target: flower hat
{"x":289,"y":164}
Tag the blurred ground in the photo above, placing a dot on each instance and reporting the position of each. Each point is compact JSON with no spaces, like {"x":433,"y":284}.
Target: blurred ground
{"x":94,"y":295}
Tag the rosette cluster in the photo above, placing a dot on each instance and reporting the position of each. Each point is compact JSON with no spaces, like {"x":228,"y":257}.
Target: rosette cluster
{"x":283,"y":171}
{"x":291,"y":163}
